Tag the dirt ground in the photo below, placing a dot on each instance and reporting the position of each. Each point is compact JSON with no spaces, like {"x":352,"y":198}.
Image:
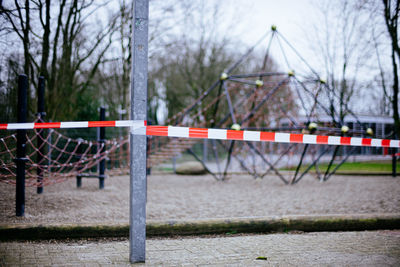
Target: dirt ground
{"x":195,"y":197}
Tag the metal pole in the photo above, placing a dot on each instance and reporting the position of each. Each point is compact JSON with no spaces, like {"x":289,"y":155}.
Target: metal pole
{"x":137,"y":218}
{"x":41,"y":115}
{"x":148,"y":152}
{"x":120,"y":134}
{"x":21,"y":146}
{"x":102,"y":163}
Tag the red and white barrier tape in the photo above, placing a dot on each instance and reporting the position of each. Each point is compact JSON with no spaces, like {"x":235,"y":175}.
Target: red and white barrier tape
{"x":141,"y":128}
{"x":70,"y":124}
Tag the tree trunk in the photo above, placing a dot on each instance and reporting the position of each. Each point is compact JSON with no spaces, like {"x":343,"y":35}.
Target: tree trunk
{"x":395,"y":100}
{"x":46,"y":44}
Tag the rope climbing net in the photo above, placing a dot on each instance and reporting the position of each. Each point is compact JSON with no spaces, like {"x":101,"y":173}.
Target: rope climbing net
{"x":61,"y":157}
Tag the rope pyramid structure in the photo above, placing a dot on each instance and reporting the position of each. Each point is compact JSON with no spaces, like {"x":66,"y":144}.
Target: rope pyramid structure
{"x":263,"y":100}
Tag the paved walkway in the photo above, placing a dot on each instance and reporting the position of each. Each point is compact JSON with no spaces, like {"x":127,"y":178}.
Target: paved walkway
{"x":369,"y":248}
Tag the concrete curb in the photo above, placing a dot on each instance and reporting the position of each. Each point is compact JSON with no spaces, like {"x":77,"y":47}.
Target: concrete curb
{"x":363,"y":174}
{"x":204,"y":227}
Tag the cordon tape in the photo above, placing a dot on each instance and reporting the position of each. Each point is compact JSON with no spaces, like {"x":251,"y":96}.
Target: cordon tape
{"x":140,"y":127}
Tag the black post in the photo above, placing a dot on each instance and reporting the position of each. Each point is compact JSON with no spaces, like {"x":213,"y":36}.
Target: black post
{"x":78,"y":181}
{"x":41,"y":115}
{"x":102,"y":164}
{"x":49,"y":151}
{"x":79,"y":158}
{"x":148,"y":150}
{"x":21,"y":146}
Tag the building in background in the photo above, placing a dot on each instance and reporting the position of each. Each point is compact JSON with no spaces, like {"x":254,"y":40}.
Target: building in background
{"x":381,"y":125}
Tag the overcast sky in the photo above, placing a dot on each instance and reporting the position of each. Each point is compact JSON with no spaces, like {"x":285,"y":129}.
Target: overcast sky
{"x":290,"y":16}
{"x":253,"y":18}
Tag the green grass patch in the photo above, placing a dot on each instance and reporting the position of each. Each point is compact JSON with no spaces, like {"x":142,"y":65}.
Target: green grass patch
{"x":164,"y":169}
{"x":373,"y":166}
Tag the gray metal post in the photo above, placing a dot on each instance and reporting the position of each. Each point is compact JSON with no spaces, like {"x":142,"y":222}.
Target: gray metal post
{"x":137,"y":217}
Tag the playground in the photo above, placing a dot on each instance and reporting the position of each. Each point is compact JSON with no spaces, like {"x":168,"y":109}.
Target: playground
{"x":200,"y":165}
{"x":179,"y":197}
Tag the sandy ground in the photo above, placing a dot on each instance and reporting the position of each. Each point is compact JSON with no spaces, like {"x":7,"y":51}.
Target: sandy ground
{"x":195,"y":197}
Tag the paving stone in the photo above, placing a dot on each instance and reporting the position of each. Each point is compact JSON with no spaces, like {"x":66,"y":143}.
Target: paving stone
{"x":369,"y":248}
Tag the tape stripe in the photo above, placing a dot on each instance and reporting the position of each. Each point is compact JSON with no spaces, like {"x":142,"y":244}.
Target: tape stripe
{"x":282,"y":137}
{"x":157,"y":130}
{"x":394,"y":143}
{"x":16,"y":126}
{"x":334,"y":140}
{"x":345,"y":140}
{"x":217,"y":134}
{"x":178,"y":131}
{"x":47,"y":125}
{"x":234,"y":135}
{"x":77,"y":124}
{"x":101,"y":124}
{"x":198,"y":133}
{"x":187,"y":132}
{"x":366,"y":142}
{"x":123,"y":123}
{"x":251,"y":136}
{"x":354,"y":141}
{"x":385,"y":143}
{"x":309,"y":139}
{"x":296,"y":138}
{"x":376,"y":142}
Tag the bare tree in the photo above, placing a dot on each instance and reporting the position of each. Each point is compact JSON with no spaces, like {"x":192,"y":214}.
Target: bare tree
{"x":59,"y":44}
{"x":193,"y":59}
{"x":384,"y":18}
{"x":342,"y":43}
{"x":114,"y":76}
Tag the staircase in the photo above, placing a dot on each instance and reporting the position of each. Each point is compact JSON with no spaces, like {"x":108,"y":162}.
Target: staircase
{"x":173,"y":148}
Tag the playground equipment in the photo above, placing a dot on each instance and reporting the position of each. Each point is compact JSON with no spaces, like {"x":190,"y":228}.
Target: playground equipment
{"x":262,"y":101}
